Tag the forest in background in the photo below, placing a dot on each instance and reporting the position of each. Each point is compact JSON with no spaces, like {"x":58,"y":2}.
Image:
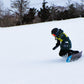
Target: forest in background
{"x":21,"y":14}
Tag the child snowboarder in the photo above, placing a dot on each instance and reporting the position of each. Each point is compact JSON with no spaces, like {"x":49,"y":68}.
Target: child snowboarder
{"x":64,"y":42}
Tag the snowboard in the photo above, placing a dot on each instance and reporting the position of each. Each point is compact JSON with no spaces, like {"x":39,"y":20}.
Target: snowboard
{"x":74,"y":57}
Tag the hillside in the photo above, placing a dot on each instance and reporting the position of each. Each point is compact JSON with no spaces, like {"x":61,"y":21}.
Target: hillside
{"x":26,"y":55}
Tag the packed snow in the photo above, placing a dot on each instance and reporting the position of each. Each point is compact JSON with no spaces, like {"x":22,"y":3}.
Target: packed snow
{"x":26,"y":55}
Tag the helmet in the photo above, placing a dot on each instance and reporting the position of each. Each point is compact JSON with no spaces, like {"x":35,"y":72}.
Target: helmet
{"x":54,"y":31}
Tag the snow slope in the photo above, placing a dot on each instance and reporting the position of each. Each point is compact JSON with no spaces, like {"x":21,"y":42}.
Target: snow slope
{"x":26,"y":55}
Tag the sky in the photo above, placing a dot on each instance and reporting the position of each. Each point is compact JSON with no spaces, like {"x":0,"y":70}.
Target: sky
{"x":37,"y":3}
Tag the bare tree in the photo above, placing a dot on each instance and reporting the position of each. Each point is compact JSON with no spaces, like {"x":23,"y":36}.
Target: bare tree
{"x":82,"y":4}
{"x":1,"y":12}
{"x":20,"y":7}
{"x":1,"y":7}
{"x":82,"y":8}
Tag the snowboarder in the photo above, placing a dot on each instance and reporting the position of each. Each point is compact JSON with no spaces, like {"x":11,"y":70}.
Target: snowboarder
{"x":64,"y":42}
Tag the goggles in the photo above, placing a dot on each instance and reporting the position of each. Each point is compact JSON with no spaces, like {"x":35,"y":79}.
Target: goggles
{"x":54,"y":35}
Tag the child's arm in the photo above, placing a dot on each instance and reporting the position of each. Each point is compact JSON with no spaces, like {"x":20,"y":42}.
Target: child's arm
{"x":57,"y":44}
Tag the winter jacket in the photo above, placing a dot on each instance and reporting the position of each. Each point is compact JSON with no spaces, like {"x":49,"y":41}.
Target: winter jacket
{"x":63,"y":40}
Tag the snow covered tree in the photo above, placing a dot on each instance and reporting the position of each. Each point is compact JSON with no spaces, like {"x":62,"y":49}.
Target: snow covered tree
{"x":28,"y":18}
{"x":69,"y":2}
{"x":44,"y":12}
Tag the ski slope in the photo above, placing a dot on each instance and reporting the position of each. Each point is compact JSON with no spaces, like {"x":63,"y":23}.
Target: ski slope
{"x":26,"y":55}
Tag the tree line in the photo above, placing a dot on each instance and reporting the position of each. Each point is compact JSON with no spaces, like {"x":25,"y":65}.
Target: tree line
{"x":20,"y":13}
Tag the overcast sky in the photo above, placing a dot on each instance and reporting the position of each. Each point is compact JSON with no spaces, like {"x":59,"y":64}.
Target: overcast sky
{"x":38,"y":3}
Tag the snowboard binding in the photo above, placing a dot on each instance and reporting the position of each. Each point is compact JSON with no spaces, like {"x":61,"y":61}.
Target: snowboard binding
{"x":74,"y":57}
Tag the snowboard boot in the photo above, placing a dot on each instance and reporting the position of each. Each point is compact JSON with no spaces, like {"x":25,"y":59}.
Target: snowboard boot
{"x":69,"y":58}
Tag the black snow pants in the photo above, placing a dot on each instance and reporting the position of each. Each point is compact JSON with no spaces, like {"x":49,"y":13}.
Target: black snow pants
{"x":69,"y":52}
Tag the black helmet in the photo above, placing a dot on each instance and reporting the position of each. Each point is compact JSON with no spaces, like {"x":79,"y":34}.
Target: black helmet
{"x":54,"y":31}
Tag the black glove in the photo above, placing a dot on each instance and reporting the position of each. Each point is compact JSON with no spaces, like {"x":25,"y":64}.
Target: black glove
{"x":54,"y":48}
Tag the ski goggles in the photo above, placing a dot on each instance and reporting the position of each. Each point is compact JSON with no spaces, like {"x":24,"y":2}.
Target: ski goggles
{"x":54,"y":35}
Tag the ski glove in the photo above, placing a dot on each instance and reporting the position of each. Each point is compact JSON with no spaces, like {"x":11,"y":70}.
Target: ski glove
{"x":57,"y":44}
{"x":54,"y":48}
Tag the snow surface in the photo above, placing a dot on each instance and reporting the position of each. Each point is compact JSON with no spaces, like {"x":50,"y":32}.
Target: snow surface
{"x":26,"y":55}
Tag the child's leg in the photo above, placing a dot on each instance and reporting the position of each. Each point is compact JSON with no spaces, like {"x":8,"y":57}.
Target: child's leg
{"x":70,"y":52}
{"x":63,"y":52}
